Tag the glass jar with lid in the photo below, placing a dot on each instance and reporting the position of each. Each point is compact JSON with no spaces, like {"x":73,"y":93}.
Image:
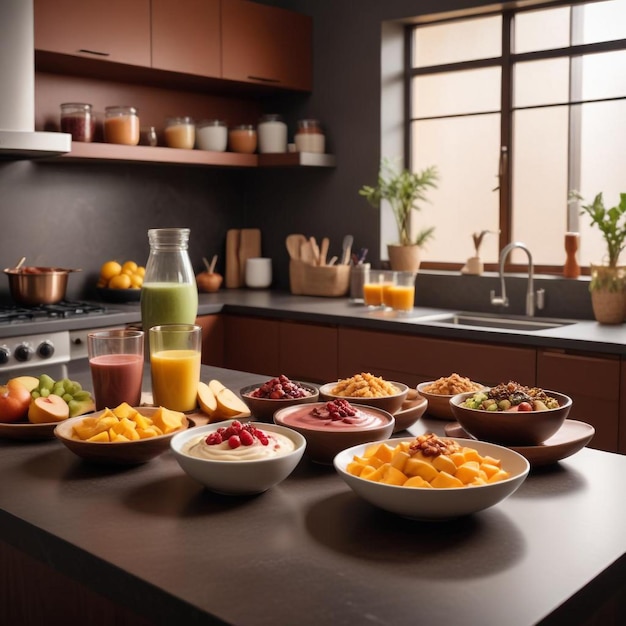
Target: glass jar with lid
{"x":212,"y":135}
{"x":242,"y":138}
{"x":180,"y":132}
{"x":272,"y":134}
{"x":78,"y":120}
{"x":121,"y":125}
{"x":169,"y":294}
{"x":310,"y":137}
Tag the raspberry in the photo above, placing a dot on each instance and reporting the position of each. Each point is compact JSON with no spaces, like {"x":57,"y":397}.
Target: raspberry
{"x":246,"y":438}
{"x":214,"y":438}
{"x":234,"y":441}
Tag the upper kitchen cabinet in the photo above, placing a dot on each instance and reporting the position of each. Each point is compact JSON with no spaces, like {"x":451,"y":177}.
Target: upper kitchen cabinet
{"x":186,"y":36}
{"x":107,"y":30}
{"x":266,"y":45}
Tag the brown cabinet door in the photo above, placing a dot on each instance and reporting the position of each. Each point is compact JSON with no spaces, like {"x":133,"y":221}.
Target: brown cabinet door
{"x":251,"y":345}
{"x":264,"y":44}
{"x":110,"y":30}
{"x":212,"y":339}
{"x":412,"y":360}
{"x":308,"y":352}
{"x":186,"y":36}
{"x":593,"y":383}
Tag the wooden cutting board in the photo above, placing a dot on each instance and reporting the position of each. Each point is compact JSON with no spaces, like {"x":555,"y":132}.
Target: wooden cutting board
{"x":232,"y":275}
{"x":249,"y":248}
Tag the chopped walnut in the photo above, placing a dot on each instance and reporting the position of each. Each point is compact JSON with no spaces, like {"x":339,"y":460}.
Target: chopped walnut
{"x":432,"y":445}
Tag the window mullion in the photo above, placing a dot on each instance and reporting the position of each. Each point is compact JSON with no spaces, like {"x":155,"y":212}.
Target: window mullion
{"x":506,"y":132}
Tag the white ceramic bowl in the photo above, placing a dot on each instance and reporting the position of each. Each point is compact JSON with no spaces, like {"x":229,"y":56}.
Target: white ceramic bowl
{"x":437,"y":504}
{"x":238,"y":477}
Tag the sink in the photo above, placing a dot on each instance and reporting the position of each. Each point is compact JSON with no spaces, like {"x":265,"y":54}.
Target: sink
{"x":495,"y":321}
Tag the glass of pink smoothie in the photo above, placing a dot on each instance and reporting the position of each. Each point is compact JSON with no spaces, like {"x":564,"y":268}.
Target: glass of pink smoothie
{"x":116,"y":361}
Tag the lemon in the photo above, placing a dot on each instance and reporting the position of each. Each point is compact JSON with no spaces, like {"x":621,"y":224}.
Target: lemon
{"x":110,"y":269}
{"x":121,"y":281}
{"x":136,"y":281}
{"x":130,"y":267}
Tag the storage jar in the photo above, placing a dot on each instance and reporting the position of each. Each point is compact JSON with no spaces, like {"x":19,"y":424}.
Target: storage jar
{"x":243,"y":138}
{"x":212,"y":135}
{"x":121,"y":125}
{"x":77,"y":119}
{"x":180,"y":132}
{"x":272,"y":134}
{"x":148,"y":136}
{"x":309,"y":137}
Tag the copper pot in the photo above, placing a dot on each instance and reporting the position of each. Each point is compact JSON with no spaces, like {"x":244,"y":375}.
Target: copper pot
{"x":32,"y":286}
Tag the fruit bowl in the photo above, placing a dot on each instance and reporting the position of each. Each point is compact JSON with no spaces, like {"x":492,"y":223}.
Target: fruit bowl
{"x":438,"y":403}
{"x":119,"y":295}
{"x":115,"y":453}
{"x":431,"y":503}
{"x":325,"y":437}
{"x":264,"y":408}
{"x":233,"y":476}
{"x":513,"y":428}
{"x":391,"y":403}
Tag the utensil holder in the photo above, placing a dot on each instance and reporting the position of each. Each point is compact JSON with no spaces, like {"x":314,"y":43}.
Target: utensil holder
{"x":330,"y":281}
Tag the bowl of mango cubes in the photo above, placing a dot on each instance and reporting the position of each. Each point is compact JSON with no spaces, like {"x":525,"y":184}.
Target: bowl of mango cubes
{"x":124,"y":435}
{"x":430,"y":477}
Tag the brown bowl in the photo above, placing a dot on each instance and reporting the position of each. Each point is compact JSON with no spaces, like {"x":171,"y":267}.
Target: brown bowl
{"x":263,"y":409}
{"x":32,"y":286}
{"x":438,"y":403}
{"x":115,"y":453}
{"x":511,"y":428}
{"x":391,"y":404}
{"x":323,"y":441}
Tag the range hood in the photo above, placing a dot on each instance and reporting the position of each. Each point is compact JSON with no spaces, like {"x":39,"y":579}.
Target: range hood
{"x":18,"y":138}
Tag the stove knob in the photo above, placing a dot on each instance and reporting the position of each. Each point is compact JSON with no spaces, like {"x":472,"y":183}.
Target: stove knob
{"x":5,"y":354}
{"x":45,"y":349}
{"x":23,"y":352}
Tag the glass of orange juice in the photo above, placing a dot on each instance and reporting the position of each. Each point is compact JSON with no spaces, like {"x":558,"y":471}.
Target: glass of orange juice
{"x":402,"y":292}
{"x":388,"y":280}
{"x":175,"y":351}
{"x":373,"y":289}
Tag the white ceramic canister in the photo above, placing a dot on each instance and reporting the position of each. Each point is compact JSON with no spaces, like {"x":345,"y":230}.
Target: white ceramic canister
{"x":272,"y":133}
{"x":212,"y":135}
{"x":258,"y":272}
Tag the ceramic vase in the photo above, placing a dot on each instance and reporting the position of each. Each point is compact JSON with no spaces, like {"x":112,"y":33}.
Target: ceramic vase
{"x":404,"y":258}
{"x":608,"y":293}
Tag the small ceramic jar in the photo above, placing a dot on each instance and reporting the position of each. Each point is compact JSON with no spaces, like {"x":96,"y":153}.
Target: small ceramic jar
{"x":212,"y":135}
{"x":121,"y":125}
{"x":180,"y":132}
{"x":242,"y":138}
{"x":272,"y":134}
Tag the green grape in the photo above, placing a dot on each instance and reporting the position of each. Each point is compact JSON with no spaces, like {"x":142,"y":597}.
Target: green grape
{"x":44,"y":392}
{"x":58,"y":389}
{"x":67,"y":397}
{"x":45,"y":382}
{"x":34,"y":394}
{"x":82,"y":395}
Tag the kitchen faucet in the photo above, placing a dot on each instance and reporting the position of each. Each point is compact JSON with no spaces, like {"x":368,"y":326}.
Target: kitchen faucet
{"x":530,"y":294}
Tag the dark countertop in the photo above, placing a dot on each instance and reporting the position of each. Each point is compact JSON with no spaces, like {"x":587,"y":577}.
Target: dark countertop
{"x":309,"y":551}
{"x":580,"y":335}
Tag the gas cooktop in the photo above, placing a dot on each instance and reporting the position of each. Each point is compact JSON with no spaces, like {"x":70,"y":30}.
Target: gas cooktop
{"x":63,"y":309}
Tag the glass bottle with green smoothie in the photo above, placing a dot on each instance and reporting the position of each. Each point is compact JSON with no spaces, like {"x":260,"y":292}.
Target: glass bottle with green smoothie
{"x":169,"y":294}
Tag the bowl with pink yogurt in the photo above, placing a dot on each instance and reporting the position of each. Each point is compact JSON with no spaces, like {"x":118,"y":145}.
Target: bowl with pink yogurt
{"x":332,"y":426}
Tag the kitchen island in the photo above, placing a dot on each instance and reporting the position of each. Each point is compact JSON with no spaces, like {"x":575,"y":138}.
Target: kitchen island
{"x":147,"y":545}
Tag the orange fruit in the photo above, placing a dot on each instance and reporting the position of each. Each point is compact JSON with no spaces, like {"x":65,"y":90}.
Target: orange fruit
{"x":110,"y":269}
{"x":121,"y":281}
{"x":130,"y":267}
{"x":136,"y":281}
{"x":141,"y":271}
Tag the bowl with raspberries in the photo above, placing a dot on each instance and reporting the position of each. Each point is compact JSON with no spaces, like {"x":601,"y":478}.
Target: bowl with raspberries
{"x":511,"y":414}
{"x":265,"y":399}
{"x":236,"y":458}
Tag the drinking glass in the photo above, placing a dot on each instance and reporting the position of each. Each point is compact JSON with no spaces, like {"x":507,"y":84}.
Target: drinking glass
{"x":116,"y":364}
{"x":402,"y":292}
{"x":175,"y":351}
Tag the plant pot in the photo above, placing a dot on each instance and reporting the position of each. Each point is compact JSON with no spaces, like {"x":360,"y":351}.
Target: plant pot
{"x":608,"y":293}
{"x":404,"y":258}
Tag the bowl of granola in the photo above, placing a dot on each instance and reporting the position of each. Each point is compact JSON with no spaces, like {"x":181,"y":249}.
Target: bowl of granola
{"x":367,"y":389}
{"x":438,"y":393}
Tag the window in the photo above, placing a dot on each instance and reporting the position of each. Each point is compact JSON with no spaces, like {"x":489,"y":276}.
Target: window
{"x":516,"y":110}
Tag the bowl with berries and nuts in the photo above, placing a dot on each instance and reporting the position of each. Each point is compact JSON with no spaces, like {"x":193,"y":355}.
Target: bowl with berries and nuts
{"x":277,"y":393}
{"x":332,"y":426}
{"x":236,"y":458}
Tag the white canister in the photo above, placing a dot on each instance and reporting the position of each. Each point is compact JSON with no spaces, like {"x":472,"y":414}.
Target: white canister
{"x":212,"y":135}
{"x":258,"y":272}
{"x":309,"y":137}
{"x":272,"y":132}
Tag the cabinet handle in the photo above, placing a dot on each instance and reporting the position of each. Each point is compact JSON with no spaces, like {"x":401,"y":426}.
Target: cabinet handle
{"x":96,"y":52}
{"x":264,"y":80}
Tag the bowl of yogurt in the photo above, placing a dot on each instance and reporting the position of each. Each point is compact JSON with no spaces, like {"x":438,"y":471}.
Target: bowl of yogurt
{"x":238,"y":458}
{"x":332,"y":426}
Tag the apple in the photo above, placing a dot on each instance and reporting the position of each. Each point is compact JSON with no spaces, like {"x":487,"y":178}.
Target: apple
{"x":230,"y":404}
{"x":30,"y":382}
{"x":14,"y":401}
{"x":49,"y":409}
{"x":206,"y":399}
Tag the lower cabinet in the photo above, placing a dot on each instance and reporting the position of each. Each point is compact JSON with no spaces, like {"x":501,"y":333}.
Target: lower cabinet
{"x":593,"y":383}
{"x":251,"y":344}
{"x":212,"y":339}
{"x":412,"y":360}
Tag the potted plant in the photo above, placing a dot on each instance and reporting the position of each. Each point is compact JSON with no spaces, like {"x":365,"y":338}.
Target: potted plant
{"x":403,"y":189}
{"x":608,"y":281}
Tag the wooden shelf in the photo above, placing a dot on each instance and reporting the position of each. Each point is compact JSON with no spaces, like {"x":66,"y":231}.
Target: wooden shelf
{"x":147,"y":154}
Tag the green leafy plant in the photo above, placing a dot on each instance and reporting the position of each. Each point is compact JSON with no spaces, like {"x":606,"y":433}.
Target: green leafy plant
{"x":403,"y":190}
{"x":612,"y":224}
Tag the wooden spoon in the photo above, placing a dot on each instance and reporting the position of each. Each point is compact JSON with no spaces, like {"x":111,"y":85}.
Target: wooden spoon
{"x":324,"y":250}
{"x":210,"y":267}
{"x":294,"y":244}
